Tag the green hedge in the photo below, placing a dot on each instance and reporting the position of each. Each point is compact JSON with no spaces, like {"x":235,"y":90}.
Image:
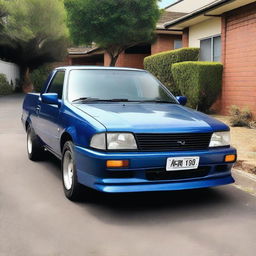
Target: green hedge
{"x":5,"y":87}
{"x":199,"y":81}
{"x":159,"y":64}
{"x":39,"y":76}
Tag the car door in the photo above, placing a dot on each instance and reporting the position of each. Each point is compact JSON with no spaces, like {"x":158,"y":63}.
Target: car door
{"x":49,"y":115}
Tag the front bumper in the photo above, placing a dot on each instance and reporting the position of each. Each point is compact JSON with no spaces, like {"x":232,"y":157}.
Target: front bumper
{"x":147,"y":170}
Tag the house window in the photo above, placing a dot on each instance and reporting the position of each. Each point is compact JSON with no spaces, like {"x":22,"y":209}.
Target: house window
{"x":210,"y":49}
{"x":177,"y":44}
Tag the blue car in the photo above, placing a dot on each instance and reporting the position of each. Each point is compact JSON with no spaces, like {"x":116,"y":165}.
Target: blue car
{"x":120,"y":130}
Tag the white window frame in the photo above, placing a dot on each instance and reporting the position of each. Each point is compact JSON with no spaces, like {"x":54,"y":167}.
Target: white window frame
{"x":212,"y":47}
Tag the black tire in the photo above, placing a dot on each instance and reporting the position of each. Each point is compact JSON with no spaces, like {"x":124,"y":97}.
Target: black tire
{"x":35,"y":149}
{"x":72,"y":188}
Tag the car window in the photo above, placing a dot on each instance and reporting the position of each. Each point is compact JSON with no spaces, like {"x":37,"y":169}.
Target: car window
{"x":115,"y":84}
{"x":56,"y":85}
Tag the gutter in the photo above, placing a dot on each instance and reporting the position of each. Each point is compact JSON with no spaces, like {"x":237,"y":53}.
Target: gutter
{"x":197,"y":13}
{"x":173,"y":4}
{"x":169,"y":30}
{"x":83,"y":53}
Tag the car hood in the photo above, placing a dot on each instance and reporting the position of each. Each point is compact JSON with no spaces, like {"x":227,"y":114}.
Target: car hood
{"x":151,"y":117}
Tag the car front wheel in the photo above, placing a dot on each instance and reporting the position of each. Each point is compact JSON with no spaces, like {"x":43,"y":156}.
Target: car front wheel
{"x":69,"y":174}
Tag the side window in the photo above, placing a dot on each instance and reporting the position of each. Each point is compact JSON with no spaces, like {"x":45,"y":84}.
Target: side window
{"x":177,"y":44}
{"x":210,"y":49}
{"x":56,"y":85}
{"x":206,"y":50}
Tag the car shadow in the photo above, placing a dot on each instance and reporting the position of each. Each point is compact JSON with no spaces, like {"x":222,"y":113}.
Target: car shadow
{"x":157,"y":207}
{"x":149,"y":208}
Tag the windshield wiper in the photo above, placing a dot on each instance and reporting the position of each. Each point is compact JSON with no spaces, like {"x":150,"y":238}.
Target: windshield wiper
{"x":158,"y":101}
{"x":83,"y":99}
{"x":88,"y":99}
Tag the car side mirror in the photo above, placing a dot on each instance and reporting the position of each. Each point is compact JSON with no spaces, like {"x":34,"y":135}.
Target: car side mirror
{"x":182,"y":100}
{"x":50,"y":98}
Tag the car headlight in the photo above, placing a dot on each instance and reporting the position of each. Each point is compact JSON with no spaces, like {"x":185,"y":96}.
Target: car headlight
{"x":121,"y":141}
{"x":220,"y":139}
{"x":113,"y":141}
{"x":98,"y":141}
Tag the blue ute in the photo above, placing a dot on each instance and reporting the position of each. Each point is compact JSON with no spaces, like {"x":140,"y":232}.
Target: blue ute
{"x":120,"y":130}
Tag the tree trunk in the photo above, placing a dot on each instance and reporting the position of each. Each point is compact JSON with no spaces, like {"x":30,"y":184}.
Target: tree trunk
{"x":113,"y":53}
{"x":113,"y":60}
{"x":26,"y":84}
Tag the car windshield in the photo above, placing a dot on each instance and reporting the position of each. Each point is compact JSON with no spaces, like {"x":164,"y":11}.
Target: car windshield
{"x":116,"y":85}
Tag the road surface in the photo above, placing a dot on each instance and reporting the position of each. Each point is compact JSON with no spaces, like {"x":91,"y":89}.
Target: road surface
{"x":37,"y":219}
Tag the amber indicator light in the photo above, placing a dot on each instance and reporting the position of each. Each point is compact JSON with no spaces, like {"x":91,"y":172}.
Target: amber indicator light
{"x":117,"y":163}
{"x":230,"y":158}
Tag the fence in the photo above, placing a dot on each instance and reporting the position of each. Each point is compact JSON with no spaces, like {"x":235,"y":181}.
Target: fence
{"x":10,"y":70}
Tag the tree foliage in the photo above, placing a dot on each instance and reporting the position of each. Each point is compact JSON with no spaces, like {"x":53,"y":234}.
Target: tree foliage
{"x":3,"y":13}
{"x":35,"y":33}
{"x":114,"y":25}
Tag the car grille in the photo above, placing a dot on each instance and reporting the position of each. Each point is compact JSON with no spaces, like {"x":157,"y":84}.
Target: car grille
{"x":172,"y":141}
{"x":162,"y":174}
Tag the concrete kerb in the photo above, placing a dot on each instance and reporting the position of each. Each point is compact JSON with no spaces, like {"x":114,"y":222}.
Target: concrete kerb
{"x":245,"y":181}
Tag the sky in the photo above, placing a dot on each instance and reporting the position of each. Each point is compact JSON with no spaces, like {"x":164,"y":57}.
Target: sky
{"x":165,"y":3}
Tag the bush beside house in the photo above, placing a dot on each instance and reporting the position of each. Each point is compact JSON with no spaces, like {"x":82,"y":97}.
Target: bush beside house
{"x":39,"y":76}
{"x":5,"y":87}
{"x":199,"y":81}
{"x":160,"y":64}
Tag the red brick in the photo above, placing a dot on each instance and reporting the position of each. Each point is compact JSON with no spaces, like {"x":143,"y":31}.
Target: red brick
{"x":239,"y":58}
{"x":185,"y":37}
{"x":164,"y":43}
{"x":127,"y":60}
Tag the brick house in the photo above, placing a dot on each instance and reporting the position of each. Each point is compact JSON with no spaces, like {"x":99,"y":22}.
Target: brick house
{"x":166,"y":39}
{"x":225,"y":30}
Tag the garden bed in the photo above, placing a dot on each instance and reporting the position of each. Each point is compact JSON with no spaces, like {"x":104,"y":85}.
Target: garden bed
{"x":244,"y":140}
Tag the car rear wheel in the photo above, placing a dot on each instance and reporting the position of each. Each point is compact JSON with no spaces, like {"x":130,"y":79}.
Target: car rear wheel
{"x":71,"y":186}
{"x":34,"y":148}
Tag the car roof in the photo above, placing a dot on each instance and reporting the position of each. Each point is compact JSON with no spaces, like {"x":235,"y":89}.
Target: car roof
{"x":98,"y":68}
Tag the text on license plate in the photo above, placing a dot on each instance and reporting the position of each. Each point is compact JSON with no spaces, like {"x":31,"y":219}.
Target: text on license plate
{"x":182,"y":163}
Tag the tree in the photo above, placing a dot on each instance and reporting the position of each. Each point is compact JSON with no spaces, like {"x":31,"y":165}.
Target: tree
{"x":3,"y":13}
{"x":113,"y":25}
{"x":34,"y":33}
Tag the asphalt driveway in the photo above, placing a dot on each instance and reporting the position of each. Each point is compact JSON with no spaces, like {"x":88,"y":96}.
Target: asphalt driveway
{"x":36,"y":218}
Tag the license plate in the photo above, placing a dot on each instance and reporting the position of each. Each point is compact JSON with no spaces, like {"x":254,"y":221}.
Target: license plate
{"x":182,"y":163}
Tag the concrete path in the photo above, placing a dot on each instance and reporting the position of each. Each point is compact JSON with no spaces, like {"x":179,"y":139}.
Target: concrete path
{"x":36,"y":218}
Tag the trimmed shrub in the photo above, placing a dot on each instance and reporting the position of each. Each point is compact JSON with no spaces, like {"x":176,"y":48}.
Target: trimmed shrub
{"x":5,"y":87}
{"x":39,"y":76}
{"x":199,"y":81}
{"x":240,"y":117}
{"x":160,"y":65}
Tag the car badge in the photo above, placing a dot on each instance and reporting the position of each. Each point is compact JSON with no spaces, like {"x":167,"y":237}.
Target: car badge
{"x":181,"y":142}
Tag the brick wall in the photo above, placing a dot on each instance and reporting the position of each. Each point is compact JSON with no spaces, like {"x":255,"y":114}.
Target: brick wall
{"x":127,"y":60}
{"x":239,"y":58}
{"x":164,"y":43}
{"x":185,"y":37}
{"x":87,"y":61}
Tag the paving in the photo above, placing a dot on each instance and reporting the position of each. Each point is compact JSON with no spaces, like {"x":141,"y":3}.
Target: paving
{"x":36,"y":218}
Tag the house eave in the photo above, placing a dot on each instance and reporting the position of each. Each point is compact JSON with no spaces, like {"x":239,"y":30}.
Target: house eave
{"x":165,"y":31}
{"x":91,"y":52}
{"x":215,"y":9}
